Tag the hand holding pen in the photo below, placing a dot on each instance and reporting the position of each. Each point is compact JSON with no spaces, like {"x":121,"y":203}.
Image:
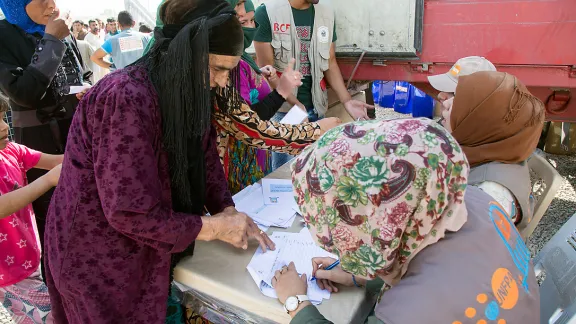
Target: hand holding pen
{"x":327,"y":272}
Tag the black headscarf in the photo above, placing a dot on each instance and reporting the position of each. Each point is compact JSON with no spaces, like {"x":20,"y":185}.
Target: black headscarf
{"x":179,"y":70}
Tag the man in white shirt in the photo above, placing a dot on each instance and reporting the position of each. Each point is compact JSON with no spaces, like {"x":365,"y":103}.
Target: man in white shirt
{"x":94,"y":38}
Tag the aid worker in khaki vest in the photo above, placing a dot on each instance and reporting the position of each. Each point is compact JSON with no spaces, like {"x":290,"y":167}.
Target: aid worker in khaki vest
{"x":304,"y":30}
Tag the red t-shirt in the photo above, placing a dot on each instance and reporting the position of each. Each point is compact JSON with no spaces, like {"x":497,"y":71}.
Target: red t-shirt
{"x":19,"y":250}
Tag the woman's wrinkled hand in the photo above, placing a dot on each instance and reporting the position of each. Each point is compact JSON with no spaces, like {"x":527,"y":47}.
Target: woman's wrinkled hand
{"x":236,"y":228}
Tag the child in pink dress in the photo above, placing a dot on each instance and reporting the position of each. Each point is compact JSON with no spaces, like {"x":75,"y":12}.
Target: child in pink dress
{"x":22,"y":291}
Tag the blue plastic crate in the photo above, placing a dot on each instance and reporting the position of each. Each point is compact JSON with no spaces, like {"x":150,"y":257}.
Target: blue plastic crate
{"x":403,"y":97}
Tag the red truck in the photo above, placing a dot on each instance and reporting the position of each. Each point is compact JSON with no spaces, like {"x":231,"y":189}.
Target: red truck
{"x":532,"y":39}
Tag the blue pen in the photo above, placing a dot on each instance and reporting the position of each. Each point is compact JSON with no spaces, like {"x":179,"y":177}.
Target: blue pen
{"x":330,"y":267}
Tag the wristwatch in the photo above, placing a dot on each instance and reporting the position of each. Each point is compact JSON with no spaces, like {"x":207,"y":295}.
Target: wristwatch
{"x":293,"y":302}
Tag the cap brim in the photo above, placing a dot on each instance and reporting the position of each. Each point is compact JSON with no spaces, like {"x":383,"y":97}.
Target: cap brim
{"x":443,"y":83}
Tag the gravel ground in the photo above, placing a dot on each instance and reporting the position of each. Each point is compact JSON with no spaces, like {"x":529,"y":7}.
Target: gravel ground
{"x":561,"y":209}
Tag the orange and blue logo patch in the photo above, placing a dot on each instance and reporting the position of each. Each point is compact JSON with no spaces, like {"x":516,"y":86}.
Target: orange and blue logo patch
{"x":506,"y":288}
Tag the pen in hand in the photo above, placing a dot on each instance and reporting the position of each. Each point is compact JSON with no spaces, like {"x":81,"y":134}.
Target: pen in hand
{"x":330,"y":267}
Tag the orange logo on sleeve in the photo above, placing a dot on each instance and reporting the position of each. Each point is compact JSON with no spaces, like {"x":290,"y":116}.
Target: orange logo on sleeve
{"x":505,"y":288}
{"x":502,"y":223}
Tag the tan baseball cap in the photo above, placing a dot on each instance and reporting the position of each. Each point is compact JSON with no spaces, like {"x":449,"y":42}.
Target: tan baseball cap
{"x":448,"y":82}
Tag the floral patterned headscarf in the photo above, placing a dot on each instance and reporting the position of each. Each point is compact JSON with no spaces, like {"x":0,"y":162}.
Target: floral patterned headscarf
{"x":376,"y":193}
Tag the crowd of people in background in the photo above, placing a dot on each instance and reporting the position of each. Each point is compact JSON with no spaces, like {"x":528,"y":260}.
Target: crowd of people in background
{"x":147,"y":133}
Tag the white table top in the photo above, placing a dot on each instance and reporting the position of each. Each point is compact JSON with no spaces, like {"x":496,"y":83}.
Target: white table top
{"x":219,"y":270}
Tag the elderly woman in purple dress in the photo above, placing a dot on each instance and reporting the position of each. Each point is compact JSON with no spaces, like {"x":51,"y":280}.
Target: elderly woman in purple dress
{"x":142,"y":170}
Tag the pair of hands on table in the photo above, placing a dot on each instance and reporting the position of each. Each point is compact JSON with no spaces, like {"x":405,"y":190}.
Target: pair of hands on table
{"x":287,"y":282}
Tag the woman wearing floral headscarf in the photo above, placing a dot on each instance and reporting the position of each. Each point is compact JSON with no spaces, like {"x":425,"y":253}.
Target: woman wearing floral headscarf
{"x":387,"y":197}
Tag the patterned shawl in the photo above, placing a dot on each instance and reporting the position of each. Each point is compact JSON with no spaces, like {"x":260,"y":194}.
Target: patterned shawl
{"x":376,"y":193}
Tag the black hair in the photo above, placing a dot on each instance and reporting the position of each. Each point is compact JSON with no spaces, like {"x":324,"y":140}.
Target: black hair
{"x":111,"y":20}
{"x":145,"y":29}
{"x":91,"y":21}
{"x":125,"y":19}
{"x":78,"y":22}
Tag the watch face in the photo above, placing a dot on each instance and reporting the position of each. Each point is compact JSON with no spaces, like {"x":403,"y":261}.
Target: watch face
{"x":291,"y":304}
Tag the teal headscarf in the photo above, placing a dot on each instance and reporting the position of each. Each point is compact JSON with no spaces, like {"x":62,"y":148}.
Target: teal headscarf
{"x":159,"y":24}
{"x":249,"y":34}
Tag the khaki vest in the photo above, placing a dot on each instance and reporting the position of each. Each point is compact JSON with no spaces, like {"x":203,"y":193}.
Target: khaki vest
{"x":480,"y":274}
{"x":515,"y":177}
{"x":286,"y":46}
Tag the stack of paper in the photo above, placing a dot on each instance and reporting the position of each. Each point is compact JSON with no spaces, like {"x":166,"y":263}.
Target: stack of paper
{"x":290,"y":247}
{"x":294,"y":116}
{"x":251,"y":201}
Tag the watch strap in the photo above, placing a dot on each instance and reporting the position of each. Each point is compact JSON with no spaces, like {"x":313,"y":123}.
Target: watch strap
{"x":302,"y":298}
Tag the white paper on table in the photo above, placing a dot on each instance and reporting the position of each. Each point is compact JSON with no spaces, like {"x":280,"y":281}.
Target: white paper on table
{"x":263,"y":228}
{"x":300,"y":249}
{"x":267,"y":215}
{"x":290,"y":247}
{"x":297,"y":210}
{"x":278,"y":192}
{"x":262,"y":264}
{"x":78,"y":89}
{"x":295,"y":116}
{"x":242,"y":194}
{"x":289,"y":223}
{"x":272,"y":216}
{"x":245,"y":192}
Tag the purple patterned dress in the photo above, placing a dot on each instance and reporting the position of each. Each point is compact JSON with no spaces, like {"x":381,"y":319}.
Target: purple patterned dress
{"x":111,"y":229}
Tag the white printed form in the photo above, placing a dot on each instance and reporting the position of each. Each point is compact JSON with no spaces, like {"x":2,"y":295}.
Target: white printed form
{"x":267,"y":215}
{"x":278,"y":192}
{"x":294,"y":116}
